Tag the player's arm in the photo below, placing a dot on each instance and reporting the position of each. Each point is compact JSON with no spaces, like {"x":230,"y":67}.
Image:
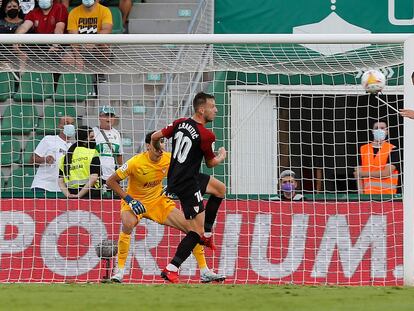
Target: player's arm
{"x":408,"y":113}
{"x":220,"y":157}
{"x":113,"y":182}
{"x":155,"y":139}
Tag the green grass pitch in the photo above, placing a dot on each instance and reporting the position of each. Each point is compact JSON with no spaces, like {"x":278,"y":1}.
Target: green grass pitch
{"x":31,"y":297}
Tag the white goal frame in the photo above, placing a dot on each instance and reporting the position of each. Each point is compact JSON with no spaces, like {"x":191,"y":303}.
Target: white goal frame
{"x":195,"y":39}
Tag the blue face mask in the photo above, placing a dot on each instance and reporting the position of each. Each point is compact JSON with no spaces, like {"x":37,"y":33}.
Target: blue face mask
{"x":69,"y":130}
{"x":88,"y":3}
{"x":379,"y":135}
{"x":45,"y":4}
{"x":288,"y":187}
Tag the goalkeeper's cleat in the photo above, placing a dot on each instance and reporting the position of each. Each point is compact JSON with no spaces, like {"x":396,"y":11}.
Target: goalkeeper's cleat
{"x":170,"y":276}
{"x":118,"y":275}
{"x":209,"y":276}
{"x":208,"y":242}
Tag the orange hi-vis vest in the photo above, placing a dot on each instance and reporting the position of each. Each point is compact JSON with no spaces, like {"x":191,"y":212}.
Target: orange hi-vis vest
{"x":376,"y":162}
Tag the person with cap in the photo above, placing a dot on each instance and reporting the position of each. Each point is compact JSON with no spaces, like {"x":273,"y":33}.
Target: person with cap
{"x":288,"y":187}
{"x":108,"y":143}
{"x":47,"y":155}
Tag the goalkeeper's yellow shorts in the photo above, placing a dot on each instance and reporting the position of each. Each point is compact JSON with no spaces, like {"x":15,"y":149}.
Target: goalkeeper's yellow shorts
{"x":158,"y":210}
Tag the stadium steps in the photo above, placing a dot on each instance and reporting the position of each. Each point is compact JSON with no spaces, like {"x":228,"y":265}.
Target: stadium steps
{"x":161,"y":17}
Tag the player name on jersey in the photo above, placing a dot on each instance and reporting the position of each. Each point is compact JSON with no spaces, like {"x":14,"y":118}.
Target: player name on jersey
{"x":190,"y":129}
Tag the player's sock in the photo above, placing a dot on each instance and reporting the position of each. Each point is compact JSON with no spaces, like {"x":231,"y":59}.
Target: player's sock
{"x":123,"y":248}
{"x":212,"y":207}
{"x":184,"y":248}
{"x":198,"y":252}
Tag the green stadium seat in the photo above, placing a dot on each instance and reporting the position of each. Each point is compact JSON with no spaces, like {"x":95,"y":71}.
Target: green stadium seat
{"x":29,"y":149}
{"x":7,"y":87}
{"x":2,"y":181}
{"x":34,"y":87}
{"x":9,"y":150}
{"x":19,"y":119}
{"x":74,"y":87}
{"x":118,"y":27}
{"x":48,"y":125}
{"x":21,"y":179}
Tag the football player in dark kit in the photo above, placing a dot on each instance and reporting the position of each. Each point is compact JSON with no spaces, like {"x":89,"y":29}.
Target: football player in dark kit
{"x":191,"y":141}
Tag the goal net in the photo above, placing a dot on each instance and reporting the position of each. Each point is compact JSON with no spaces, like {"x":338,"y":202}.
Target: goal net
{"x":292,"y":115}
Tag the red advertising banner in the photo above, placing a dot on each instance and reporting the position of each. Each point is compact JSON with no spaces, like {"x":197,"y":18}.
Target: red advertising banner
{"x":354,"y":243}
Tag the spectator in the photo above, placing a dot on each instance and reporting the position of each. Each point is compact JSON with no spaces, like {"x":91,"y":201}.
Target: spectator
{"x":10,"y":16}
{"x":288,"y":187}
{"x":89,"y":18}
{"x":378,"y":172}
{"x":47,"y":155}
{"x":79,"y":169}
{"x":48,"y":18}
{"x":108,"y":142}
{"x":125,"y":7}
{"x":27,"y":6}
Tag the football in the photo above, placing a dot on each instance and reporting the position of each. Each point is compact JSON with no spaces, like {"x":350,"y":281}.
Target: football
{"x":106,"y":249}
{"x":373,"y":81}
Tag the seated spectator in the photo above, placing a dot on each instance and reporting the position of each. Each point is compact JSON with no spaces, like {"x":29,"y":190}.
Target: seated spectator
{"x":288,"y":187}
{"x":47,"y":155}
{"x":89,"y":18}
{"x":125,"y":7}
{"x":80,"y":168}
{"x":48,"y":18}
{"x":10,"y":16}
{"x":380,"y":161}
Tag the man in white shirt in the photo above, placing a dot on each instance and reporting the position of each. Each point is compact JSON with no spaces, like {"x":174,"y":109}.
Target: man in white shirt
{"x":47,"y":155}
{"x":108,"y":142}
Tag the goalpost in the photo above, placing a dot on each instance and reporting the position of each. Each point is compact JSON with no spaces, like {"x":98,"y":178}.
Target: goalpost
{"x":286,"y":102}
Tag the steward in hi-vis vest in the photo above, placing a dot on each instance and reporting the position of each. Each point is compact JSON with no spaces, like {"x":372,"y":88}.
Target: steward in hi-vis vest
{"x":79,"y":169}
{"x":378,"y":172}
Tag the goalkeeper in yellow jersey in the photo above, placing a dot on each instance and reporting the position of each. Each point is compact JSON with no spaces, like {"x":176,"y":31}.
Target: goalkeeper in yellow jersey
{"x":144,"y":199}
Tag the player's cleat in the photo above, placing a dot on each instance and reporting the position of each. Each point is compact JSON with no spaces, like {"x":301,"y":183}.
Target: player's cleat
{"x":118,"y":275}
{"x":209,"y":276}
{"x":170,"y":276}
{"x":208,"y":242}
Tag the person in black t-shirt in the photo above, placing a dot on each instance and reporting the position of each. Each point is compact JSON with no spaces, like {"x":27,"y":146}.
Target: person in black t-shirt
{"x":191,"y":142}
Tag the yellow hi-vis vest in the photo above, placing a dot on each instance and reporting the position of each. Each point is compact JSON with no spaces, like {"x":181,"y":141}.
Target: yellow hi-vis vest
{"x":79,"y":168}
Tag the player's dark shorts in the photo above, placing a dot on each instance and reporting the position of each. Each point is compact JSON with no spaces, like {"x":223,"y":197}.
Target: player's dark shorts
{"x":190,"y":195}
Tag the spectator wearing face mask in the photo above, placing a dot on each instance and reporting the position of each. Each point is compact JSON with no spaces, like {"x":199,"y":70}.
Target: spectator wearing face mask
{"x":288,"y":187}
{"x":89,"y":18}
{"x":48,"y":18}
{"x":47,"y":155}
{"x":379,"y":166}
{"x":10,"y":16}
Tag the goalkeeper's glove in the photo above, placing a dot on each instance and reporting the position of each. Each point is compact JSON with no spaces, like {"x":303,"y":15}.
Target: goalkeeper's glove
{"x":136,"y":206}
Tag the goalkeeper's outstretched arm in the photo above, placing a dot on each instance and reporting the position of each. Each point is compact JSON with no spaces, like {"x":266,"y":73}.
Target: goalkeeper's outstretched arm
{"x":408,"y":113}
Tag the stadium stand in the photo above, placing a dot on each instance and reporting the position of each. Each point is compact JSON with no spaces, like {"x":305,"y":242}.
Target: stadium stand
{"x":19,"y":119}
{"x":73,"y":88}
{"x":9,"y":150}
{"x":7,"y":86}
{"x":21,"y":179}
{"x":29,"y":149}
{"x":49,"y":123}
{"x":34,"y":87}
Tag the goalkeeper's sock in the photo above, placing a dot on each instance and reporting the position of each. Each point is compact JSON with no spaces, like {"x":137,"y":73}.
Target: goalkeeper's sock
{"x":198,"y":252}
{"x":123,"y":248}
{"x":184,"y":248}
{"x":212,"y":207}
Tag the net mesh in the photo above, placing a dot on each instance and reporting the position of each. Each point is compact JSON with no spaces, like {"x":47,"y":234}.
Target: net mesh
{"x":281,"y":107}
